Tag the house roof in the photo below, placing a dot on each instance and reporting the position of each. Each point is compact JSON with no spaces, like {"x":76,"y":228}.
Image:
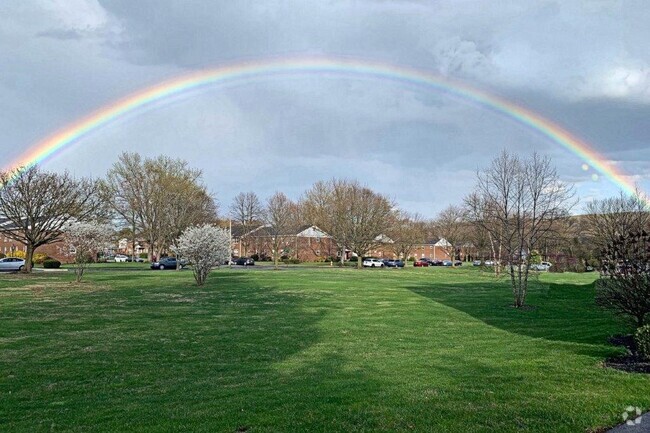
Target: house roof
{"x":306,"y":231}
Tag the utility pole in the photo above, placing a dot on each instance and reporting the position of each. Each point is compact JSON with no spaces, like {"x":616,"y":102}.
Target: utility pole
{"x":230,"y":243}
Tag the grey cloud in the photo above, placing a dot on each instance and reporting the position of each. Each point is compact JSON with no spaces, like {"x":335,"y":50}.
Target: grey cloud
{"x":581,"y":64}
{"x":62,"y":34}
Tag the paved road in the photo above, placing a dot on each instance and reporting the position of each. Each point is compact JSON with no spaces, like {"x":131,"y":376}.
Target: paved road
{"x":643,"y":427}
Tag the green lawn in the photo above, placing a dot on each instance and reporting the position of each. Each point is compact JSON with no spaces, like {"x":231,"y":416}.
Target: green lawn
{"x":427,"y":349}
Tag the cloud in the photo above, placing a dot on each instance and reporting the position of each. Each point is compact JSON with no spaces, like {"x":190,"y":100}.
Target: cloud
{"x":582,"y":65}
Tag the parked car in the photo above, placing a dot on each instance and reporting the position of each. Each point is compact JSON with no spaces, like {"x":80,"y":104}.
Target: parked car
{"x":167,"y":263}
{"x":476,"y":263}
{"x":543,"y":266}
{"x":135,"y":259}
{"x":446,"y":263}
{"x":423,"y":262}
{"x":121,"y":258}
{"x":435,"y":262}
{"x":372,"y":263}
{"x":458,"y":263}
{"x":393,"y":263}
{"x":245,"y":261}
{"x":12,"y":264}
{"x":489,"y":263}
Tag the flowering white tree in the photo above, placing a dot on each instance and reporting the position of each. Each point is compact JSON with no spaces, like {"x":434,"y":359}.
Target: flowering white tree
{"x":204,"y":246}
{"x":83,"y":240}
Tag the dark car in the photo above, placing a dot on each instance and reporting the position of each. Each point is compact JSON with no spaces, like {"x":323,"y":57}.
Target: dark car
{"x":393,"y":263}
{"x":245,"y":261}
{"x":423,"y":262}
{"x":435,"y":262}
{"x":166,"y":263}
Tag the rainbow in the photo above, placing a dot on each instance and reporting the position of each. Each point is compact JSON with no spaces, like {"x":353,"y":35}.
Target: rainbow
{"x":249,"y":70}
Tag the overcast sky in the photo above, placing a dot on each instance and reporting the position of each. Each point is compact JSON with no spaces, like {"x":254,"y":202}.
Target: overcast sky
{"x":582,"y":64}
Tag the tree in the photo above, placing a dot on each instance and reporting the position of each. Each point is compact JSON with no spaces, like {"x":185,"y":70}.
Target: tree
{"x":352,"y":214}
{"x":624,"y":285}
{"x":158,"y":198}
{"x":278,"y":219}
{"x":449,"y":225}
{"x":482,"y":215}
{"x":205,"y":246}
{"x":83,"y":240}
{"x":406,"y":231}
{"x":246,"y":209}
{"x":189,"y":204}
{"x":612,"y":217}
{"x":519,"y":203}
{"x":369,"y":217}
{"x":39,"y":205}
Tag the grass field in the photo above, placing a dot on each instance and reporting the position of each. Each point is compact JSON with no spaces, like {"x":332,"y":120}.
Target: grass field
{"x":301,"y":349}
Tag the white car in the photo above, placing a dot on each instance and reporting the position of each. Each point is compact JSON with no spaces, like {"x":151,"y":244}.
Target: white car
{"x":119,"y":258}
{"x":373,"y":263}
{"x":543,"y":266}
{"x":12,"y":264}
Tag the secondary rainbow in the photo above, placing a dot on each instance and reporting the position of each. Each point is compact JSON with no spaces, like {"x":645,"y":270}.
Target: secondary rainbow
{"x":252,"y":70}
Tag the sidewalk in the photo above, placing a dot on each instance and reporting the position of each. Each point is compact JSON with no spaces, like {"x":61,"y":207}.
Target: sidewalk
{"x":643,"y":427}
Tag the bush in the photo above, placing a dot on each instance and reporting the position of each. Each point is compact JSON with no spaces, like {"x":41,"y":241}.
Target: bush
{"x":19,"y":254}
{"x":2,"y":256}
{"x":51,"y":264}
{"x":255,"y":257}
{"x":354,"y":259}
{"x":642,"y":340}
{"x":40,"y":258}
{"x":292,"y":261}
{"x":143,"y":256}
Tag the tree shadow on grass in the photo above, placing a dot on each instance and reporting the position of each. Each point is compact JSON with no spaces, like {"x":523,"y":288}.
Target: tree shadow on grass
{"x":558,"y":312}
{"x":155,"y":355}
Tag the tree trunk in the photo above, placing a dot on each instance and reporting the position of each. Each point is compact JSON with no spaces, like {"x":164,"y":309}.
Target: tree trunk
{"x":29,"y":256}
{"x":133,"y":242}
{"x":359,"y":261}
{"x":275,"y":254}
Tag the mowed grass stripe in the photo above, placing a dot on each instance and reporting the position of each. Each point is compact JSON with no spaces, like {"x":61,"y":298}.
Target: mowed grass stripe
{"x":307,"y":350}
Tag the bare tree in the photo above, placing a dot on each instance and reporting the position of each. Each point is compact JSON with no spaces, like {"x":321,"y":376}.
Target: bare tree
{"x":610,"y":218}
{"x":352,"y":214}
{"x":406,"y":231}
{"x":449,"y":225}
{"x":519,"y":202}
{"x":158,"y":197}
{"x":188,"y":204}
{"x":482,"y":215}
{"x":323,"y":206}
{"x":278,"y":217}
{"x":38,"y":205}
{"x":246,"y":209}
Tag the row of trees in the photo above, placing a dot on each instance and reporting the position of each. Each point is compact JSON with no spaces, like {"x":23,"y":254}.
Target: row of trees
{"x":519,"y":206}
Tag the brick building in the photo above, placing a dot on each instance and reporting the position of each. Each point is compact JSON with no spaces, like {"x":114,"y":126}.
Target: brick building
{"x":307,"y":243}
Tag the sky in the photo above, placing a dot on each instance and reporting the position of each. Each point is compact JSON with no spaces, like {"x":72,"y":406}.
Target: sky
{"x":584,"y":65}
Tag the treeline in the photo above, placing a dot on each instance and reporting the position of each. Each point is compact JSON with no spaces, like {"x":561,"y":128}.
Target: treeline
{"x":518,"y":211}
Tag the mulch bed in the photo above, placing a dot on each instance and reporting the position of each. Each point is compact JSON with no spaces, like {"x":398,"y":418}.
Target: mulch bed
{"x":629,"y":362}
